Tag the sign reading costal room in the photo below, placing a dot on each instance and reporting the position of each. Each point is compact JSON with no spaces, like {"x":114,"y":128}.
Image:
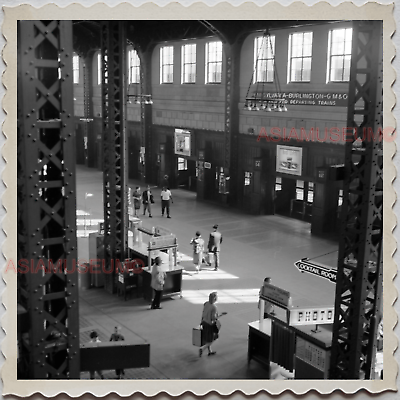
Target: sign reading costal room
{"x":304,"y":265}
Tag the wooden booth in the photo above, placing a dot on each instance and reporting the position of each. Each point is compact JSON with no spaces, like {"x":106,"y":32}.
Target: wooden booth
{"x":298,"y":337}
{"x":144,"y":246}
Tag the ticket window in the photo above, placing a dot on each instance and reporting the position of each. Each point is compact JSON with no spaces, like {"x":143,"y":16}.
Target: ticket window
{"x":182,"y":164}
{"x":305,"y":191}
{"x":248,"y":179}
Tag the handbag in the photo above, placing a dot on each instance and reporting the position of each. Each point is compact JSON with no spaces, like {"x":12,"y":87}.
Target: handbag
{"x":218,"y":325}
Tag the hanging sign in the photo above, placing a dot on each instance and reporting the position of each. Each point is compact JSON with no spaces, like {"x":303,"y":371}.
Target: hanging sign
{"x":306,"y":266}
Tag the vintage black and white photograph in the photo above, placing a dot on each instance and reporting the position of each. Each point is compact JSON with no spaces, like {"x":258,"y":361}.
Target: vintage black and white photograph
{"x":200,"y":199}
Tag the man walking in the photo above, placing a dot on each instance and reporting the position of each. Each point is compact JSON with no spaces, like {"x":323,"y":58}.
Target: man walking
{"x":147,"y":199}
{"x":166,"y":198}
{"x":214,"y":245}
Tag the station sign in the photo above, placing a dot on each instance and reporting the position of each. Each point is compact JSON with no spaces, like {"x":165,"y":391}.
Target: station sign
{"x":306,"y":266}
{"x":311,"y":315}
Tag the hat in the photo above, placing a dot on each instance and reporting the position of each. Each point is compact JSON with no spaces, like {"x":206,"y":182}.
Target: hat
{"x":198,"y":233}
{"x":215,"y":226}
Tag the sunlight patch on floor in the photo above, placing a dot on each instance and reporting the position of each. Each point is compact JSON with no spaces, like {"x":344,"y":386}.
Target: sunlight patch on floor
{"x":225,"y":296}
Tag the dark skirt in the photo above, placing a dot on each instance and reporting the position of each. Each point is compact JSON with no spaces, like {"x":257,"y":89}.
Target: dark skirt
{"x":209,"y":334}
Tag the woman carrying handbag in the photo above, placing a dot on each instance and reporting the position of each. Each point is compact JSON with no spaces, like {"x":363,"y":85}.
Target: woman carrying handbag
{"x":210,"y":324}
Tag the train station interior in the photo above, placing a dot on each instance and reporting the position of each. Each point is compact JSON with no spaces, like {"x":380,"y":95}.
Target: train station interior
{"x":269,"y":130}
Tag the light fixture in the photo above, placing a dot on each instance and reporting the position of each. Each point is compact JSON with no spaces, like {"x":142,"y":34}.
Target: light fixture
{"x":138,"y":98}
{"x":258,"y":100}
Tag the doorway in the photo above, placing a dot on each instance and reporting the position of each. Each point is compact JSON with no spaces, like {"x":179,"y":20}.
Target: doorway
{"x":186,"y":177}
{"x":294,"y":198}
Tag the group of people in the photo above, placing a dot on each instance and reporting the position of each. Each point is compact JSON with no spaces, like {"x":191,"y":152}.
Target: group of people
{"x":115,"y":337}
{"x":146,"y":198}
{"x":213,"y":247}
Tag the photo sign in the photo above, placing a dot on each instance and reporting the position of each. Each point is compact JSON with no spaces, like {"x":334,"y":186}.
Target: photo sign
{"x":182,"y":142}
{"x":311,"y":315}
{"x":289,"y":159}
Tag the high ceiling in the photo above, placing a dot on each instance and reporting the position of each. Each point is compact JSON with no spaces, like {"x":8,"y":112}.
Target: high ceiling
{"x":144,"y":33}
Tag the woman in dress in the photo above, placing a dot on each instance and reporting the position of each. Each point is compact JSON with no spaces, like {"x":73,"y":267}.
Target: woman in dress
{"x":198,"y":249}
{"x":208,"y":323}
{"x":137,"y":196}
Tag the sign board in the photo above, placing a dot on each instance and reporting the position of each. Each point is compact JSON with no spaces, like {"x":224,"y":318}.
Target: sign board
{"x":312,"y":354}
{"x":337,"y":99}
{"x":276,"y":294}
{"x":101,"y":228}
{"x":289,"y":159}
{"x":160,"y":231}
{"x":161,"y":242}
{"x":182,"y":142}
{"x":311,"y":315}
{"x":306,"y":266}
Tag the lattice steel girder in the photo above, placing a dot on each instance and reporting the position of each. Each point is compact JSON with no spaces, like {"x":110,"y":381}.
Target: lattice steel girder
{"x":359,"y":278}
{"x":114,"y":146}
{"x":47,"y":221}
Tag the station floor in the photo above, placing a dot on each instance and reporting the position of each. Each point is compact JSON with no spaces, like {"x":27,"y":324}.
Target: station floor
{"x":253,"y":247}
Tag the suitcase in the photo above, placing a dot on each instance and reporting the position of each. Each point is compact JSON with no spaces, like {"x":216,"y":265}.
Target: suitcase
{"x":197,"y":336}
{"x":210,"y":258}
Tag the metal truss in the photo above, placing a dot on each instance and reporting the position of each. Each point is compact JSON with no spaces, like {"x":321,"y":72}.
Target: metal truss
{"x":113,"y":55}
{"x":359,"y":278}
{"x":47,"y":249}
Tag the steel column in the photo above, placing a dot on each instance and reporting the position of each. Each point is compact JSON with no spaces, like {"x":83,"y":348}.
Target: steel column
{"x":359,"y":278}
{"x":47,"y":249}
{"x":114,"y":99}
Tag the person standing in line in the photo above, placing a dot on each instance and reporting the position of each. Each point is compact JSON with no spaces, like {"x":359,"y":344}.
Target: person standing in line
{"x":147,"y":200}
{"x":157,"y":283}
{"x":198,"y":248}
{"x":137,"y":196}
{"x":166,"y":198}
{"x":94,"y":338}
{"x":214,"y":246}
{"x":116,"y":337}
{"x":208,"y":321}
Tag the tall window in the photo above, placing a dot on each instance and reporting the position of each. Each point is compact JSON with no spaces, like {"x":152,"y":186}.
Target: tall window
{"x":99,"y":69}
{"x":339,"y":55}
{"x":264,"y":51}
{"x":75,"y":68}
{"x":134,"y":67}
{"x":166,"y":64}
{"x":300,"y":54}
{"x":189,"y":63}
{"x":214,"y":62}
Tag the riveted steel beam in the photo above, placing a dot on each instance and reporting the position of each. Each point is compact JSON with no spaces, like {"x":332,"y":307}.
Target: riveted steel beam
{"x":47,"y":284}
{"x":113,"y":55}
{"x":359,"y":277}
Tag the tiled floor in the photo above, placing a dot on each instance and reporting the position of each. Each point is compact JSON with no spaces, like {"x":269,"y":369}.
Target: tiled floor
{"x":253,"y":247}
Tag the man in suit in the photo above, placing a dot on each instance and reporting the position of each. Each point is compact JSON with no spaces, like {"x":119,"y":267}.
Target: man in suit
{"x":214,"y":246}
{"x":147,"y":199}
